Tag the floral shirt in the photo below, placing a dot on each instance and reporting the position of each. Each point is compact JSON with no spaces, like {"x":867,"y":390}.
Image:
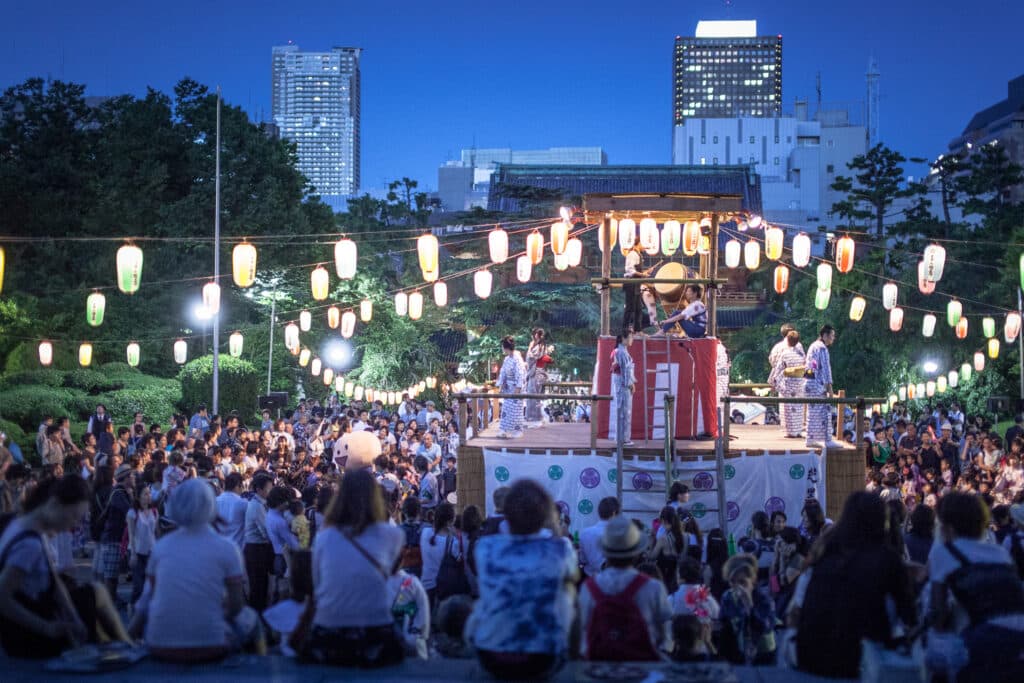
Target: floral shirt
{"x":526,"y":594}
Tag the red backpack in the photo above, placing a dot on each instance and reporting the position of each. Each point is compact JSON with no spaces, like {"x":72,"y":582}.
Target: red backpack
{"x":617,"y":631}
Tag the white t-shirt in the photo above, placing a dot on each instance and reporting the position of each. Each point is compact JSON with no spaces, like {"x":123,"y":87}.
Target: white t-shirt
{"x":350,"y":590}
{"x":231,"y":512}
{"x":283,"y":617}
{"x":591,"y":554}
{"x":433,"y":554}
{"x":144,"y":531}
{"x":941,"y":564}
{"x":190,"y":569}
{"x":408,"y":598}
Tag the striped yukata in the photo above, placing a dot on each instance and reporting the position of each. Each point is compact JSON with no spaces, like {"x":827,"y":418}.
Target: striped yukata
{"x":510,"y":381}
{"x":818,"y":363}
{"x":792,"y":415}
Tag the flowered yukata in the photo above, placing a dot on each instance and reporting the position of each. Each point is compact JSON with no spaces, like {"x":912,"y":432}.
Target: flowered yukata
{"x":789,"y":387}
{"x":510,"y":381}
{"x":819,"y":374}
{"x":537,"y":358}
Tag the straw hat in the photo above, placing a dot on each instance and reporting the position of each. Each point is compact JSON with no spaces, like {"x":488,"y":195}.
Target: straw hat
{"x":622,"y":539}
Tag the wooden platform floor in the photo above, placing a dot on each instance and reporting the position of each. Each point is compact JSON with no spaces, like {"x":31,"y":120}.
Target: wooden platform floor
{"x":576,"y":436}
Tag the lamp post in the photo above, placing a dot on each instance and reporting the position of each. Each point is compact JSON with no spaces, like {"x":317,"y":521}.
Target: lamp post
{"x":216,"y":264}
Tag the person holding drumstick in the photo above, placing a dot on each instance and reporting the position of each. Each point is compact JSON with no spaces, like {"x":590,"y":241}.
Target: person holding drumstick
{"x":693,"y":319}
{"x":633,"y":316}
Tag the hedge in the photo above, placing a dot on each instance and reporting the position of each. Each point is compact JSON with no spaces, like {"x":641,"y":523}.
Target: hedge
{"x":27,"y":405}
{"x":45,"y":377}
{"x":239,"y":384}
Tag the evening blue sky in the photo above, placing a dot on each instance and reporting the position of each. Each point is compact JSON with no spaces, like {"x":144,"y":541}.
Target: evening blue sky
{"x":526,"y":73}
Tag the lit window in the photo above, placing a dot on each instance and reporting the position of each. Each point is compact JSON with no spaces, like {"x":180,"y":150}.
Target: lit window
{"x":776,"y":161}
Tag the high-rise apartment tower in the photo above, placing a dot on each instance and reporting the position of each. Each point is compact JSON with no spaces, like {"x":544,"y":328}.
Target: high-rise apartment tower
{"x":315,"y":104}
{"x":725,"y":71}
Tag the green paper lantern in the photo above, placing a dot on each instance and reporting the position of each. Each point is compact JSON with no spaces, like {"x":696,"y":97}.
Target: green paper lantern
{"x":821,"y":299}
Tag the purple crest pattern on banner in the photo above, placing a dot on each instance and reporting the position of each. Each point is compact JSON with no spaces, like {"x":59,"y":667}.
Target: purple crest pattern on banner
{"x":590,"y":478}
{"x":643,"y":481}
{"x":703,"y":481}
{"x":774,"y":504}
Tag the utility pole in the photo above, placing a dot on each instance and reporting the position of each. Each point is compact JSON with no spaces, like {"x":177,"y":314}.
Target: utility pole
{"x":216,"y":266}
{"x":270,"y":346}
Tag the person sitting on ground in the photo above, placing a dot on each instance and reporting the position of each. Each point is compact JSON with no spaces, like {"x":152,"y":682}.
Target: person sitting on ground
{"x":452,"y":616}
{"x":284,"y":616}
{"x":492,"y":524}
{"x":41,"y":615}
{"x":352,"y":560}
{"x":624,"y":614}
{"x":196,"y":578}
{"x":411,"y":609}
{"x":526,"y":578}
{"x":748,"y":614}
{"x":692,"y":638}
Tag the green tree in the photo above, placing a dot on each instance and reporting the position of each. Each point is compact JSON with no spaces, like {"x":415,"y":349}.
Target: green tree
{"x":876,"y":183}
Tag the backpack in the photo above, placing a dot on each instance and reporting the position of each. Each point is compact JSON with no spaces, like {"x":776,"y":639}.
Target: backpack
{"x":617,"y":631}
{"x":985,"y":589}
{"x":451,"y":576}
{"x":412,"y":556}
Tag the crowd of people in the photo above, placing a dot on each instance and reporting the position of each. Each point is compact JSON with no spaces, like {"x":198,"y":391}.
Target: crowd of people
{"x":333,"y":536}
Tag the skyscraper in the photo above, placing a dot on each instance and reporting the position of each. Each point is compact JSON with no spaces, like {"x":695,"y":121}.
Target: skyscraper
{"x":315,"y":104}
{"x":726,"y":70}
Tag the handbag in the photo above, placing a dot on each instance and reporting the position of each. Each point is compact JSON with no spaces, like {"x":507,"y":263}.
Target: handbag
{"x":451,"y":575}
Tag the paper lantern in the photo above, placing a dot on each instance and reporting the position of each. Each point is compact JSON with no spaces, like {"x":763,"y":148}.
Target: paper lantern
{"x":893,"y":398}
{"x":752,"y":254}
{"x":954,"y":378}
{"x":328,"y":377}
{"x":129,"y":268}
{"x":333,"y":317}
{"x":574,"y":251}
{"x":45,"y":353}
{"x":732,"y":253}
{"x":774,"y":239}
{"x":924,"y":285}
{"x":929,"y":388}
{"x":440,"y":294}
{"x":243,"y":264}
{"x":305,"y":321}
{"x":845,"y":249}
{"x":85,"y":354}
{"x":953,"y":312}
{"x":965,"y":372}
{"x":211,"y":298}
{"x":824,"y":273}
{"x":524,"y":267}
{"x":315,"y":366}
{"x":940,"y":384}
{"x":339,"y":384}
{"x":705,"y":245}
{"x":627,"y":236}
{"x":431,"y":382}
{"x":132,"y":353}
{"x":349,"y":387}
{"x":3,"y":265}
{"x":291,"y":336}
{"x":95,"y":306}
{"x":345,"y":258}
{"x":821,"y":299}
{"x":979,"y":361}
{"x":366,"y":310}
{"x":961,"y":329}
{"x":671,"y":235}
{"x":1021,"y":268}
{"x":482,"y":283}
{"x":320,"y":283}
{"x":1011,"y":328}
{"x":612,"y":239}
{"x":358,"y":393}
{"x":781,"y":278}
{"x":348,"y":324}
{"x":369,"y":395}
{"x":801,"y":250}
{"x":993,"y":348}
{"x":690,"y":237}
{"x":650,"y":240}
{"x":988,"y":327}
{"x":428,"y":249}
{"x":236,"y":343}
{"x":535,"y":247}
{"x":180,"y":351}
{"x":920,"y":389}
{"x":903,"y":393}
{"x":934,"y":261}
{"x":497,"y":243}
{"x":896,"y":319}
{"x":415,"y":306}
{"x":304,"y":357}
{"x":562,"y":261}
{"x":857,"y":306}
{"x":928,"y":324}
{"x":401,"y":303}
{"x":890,"y":294}
{"x":560,"y":237}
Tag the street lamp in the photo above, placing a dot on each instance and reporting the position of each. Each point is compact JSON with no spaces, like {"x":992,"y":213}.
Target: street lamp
{"x":930,"y":366}
{"x":202,"y":315}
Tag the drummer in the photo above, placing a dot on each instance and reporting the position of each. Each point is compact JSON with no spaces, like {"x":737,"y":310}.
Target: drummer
{"x":633,"y":317}
{"x":693,"y":319}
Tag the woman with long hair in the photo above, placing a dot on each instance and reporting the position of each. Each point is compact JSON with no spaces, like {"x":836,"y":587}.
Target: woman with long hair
{"x":669,"y":547}
{"x":852,"y":574}
{"x":353,"y":557}
{"x":623,"y":384}
{"x":437,"y":542}
{"x":538,"y":355}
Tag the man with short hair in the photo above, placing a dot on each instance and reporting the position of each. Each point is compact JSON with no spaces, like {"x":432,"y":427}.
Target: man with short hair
{"x":99,"y":421}
{"x":231,"y":508}
{"x":430,"y":450}
{"x":257,"y":550}
{"x":492,"y":525}
{"x":693,"y":318}
{"x":591,"y":556}
{"x":1015,"y":431}
{"x":200,"y":422}
{"x":428,"y":413}
{"x":818,"y":383}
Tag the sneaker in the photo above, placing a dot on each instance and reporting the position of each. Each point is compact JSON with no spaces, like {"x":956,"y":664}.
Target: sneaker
{"x":628,"y":443}
{"x":812,"y":444}
{"x":834,"y":444}
{"x":515,"y":435}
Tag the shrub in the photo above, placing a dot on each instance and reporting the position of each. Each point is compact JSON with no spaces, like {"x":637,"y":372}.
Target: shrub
{"x":15,"y":434}
{"x":239,"y":384}
{"x":91,"y":381}
{"x":26,"y":405}
{"x":44,"y":376}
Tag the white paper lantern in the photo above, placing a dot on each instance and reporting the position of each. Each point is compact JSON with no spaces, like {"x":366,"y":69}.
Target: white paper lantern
{"x":928,"y":324}
{"x":535,"y":247}
{"x":428,"y":249}
{"x":320,"y":283}
{"x":482,"y":280}
{"x":559,"y":237}
{"x":180,"y":351}
{"x":896,"y":319}
{"x":348,"y":324}
{"x":85,"y":354}
{"x":133,"y":354}
{"x":954,"y":378}
{"x":979,"y":361}
{"x":291,"y":336}
{"x":774,"y":239}
{"x":328,"y":377}
{"x":366,"y":310}
{"x":45,"y":353}
{"x":315,"y":366}
{"x":801,"y":250}
{"x":562,"y":261}
{"x":574,"y":251}
{"x":236,"y":343}
{"x":440,"y":294}
{"x":523,"y":268}
{"x":845,"y":251}
{"x":824,"y":276}
{"x":345,"y":258}
{"x":211,"y":298}
{"x":1011,"y":328}
{"x":333,"y":317}
{"x":339,"y":384}
{"x":857,"y":306}
{"x":627,"y":234}
{"x":649,"y":238}
{"x":304,"y":357}
{"x":671,"y":234}
{"x":612,"y":238}
{"x":941,"y":384}
{"x":243,"y":264}
{"x":129,"y":269}
{"x":890,"y":293}
{"x":415,"y":306}
{"x":752,"y":254}
{"x":923,"y":285}
{"x":732,"y":253}
{"x":929,"y":388}
{"x":305,"y":321}
{"x":497,"y":242}
{"x":401,"y":304}
{"x":934,"y":262}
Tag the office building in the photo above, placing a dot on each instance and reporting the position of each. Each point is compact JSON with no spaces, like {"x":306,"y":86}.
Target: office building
{"x":465,"y":183}
{"x":315,"y":104}
{"x":726,"y":70}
